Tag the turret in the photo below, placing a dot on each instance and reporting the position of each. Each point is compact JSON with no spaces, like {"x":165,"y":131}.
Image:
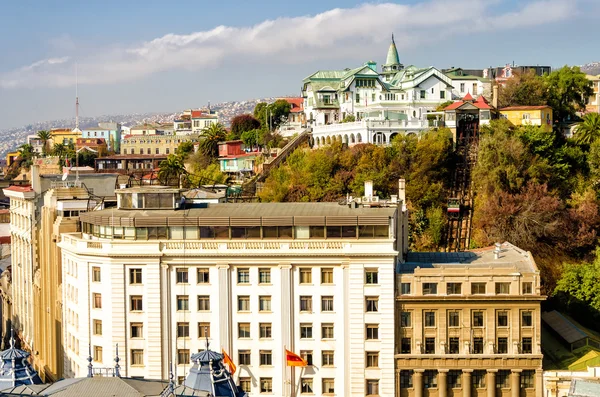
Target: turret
{"x":392,"y":63}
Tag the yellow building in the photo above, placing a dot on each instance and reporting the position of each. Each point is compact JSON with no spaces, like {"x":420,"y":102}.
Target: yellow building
{"x":529,"y":115}
{"x":65,"y":136}
{"x":11,"y":157}
{"x":593,"y":102}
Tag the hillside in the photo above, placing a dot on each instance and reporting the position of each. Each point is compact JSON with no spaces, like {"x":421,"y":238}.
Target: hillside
{"x":592,"y":68}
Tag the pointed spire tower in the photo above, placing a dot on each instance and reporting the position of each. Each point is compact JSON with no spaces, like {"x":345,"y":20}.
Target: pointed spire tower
{"x":392,"y":63}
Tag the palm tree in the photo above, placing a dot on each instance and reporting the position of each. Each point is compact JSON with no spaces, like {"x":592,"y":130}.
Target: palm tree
{"x":211,"y":136}
{"x":58,"y":150}
{"x":44,"y":136}
{"x":25,"y":151}
{"x":588,"y":130}
{"x":171,"y":168}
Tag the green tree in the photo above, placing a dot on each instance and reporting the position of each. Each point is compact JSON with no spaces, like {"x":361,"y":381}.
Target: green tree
{"x":242,"y":123}
{"x":44,"y":136}
{"x":58,"y":150}
{"x":210,"y":138}
{"x":443,"y":106}
{"x":588,"y":130}
{"x":568,"y":90}
{"x":524,"y":89}
{"x":350,"y":118}
{"x":251,"y":138}
{"x":185,"y":149}
{"x":273,"y":114}
{"x":208,"y":175}
{"x":171,"y":170}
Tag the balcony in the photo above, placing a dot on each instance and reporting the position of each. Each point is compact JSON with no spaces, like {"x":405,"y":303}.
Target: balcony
{"x":327,"y":104}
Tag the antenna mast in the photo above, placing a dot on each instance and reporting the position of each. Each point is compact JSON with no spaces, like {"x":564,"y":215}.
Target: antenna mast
{"x":76,"y":99}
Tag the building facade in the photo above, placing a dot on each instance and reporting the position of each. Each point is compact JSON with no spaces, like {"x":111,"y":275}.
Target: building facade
{"x":469,"y":324}
{"x":202,"y":119}
{"x":540,"y":116}
{"x":593,"y":101}
{"x":253,"y":279}
{"x":154,"y":144}
{"x":110,"y":132}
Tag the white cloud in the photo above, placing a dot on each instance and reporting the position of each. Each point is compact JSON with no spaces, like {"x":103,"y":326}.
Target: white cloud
{"x":334,"y":34}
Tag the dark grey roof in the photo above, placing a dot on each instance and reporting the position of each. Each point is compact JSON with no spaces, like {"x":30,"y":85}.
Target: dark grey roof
{"x":208,"y":374}
{"x":563,"y":327}
{"x":584,"y":388}
{"x":93,"y":387}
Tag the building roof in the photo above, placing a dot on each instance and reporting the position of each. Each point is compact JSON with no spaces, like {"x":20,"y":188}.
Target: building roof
{"x":15,"y":369}
{"x":509,"y":108}
{"x":392,"y":55}
{"x":20,"y":189}
{"x":133,"y":157}
{"x":584,"y":388}
{"x":510,"y":257}
{"x":238,"y":156}
{"x":480,"y":103}
{"x":199,"y":114}
{"x":590,"y":359}
{"x":296,"y":102}
{"x":563,"y":326}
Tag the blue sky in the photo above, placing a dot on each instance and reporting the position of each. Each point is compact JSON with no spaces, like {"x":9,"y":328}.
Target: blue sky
{"x":155,"y":55}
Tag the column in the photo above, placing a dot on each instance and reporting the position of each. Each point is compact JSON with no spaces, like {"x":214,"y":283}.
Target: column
{"x":515,"y":383}
{"x":287,"y":324}
{"x":443,"y":382}
{"x":539,"y":382}
{"x":418,"y":382}
{"x":224,"y":283}
{"x":466,"y":383}
{"x":165,"y":331}
{"x":491,"y":382}
{"x":397,"y":392}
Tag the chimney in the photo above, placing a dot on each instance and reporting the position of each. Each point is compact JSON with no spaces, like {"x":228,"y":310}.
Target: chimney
{"x":497,"y":251}
{"x":495,"y":96}
{"x":36,"y":182}
{"x":369,"y":189}
{"x":402,"y":191}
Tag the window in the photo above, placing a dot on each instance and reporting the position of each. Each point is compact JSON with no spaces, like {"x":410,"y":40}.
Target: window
{"x":243,"y":303}
{"x":430,"y":378}
{"x":453,"y":288}
{"x":502,"y":288}
{"x":246,"y":385}
{"x":182,"y":275}
{"x":98,"y":354}
{"x":243,"y":276}
{"x":429,"y":345}
{"x":305,"y":276}
{"x":244,"y":357}
{"x":405,"y":288}
{"x":136,"y":303}
{"x":307,"y":355}
{"x":96,"y":274}
{"x":454,"y":318}
{"x":502,"y":319}
{"x":430,"y":319}
{"x":328,"y":386}
{"x":327,"y":303}
{"x":136,"y":330}
{"x":405,"y":346}
{"x":183,"y":330}
{"x":183,"y":303}
{"x":527,"y":288}
{"x":264,"y":303}
{"x":97,"y":327}
{"x":306,"y":303}
{"x":477,"y":345}
{"x":135,"y":276}
{"x":326,"y":331}
{"x":327,"y":358}
{"x":406,"y":377}
{"x":137,"y":357}
{"x":527,"y":377}
{"x":203,"y":330}
{"x":306,"y":385}
{"x":454,"y":378}
{"x":432,"y":90}
{"x":264,"y":276}
{"x":243,"y":330}
{"x":478,"y":378}
{"x":423,"y":94}
{"x":526,"y":319}
{"x":203,"y":303}
{"x":266,"y":385}
{"x":477,"y":319}
{"x":372,"y":331}
{"x":429,"y":288}
{"x":97,"y":301}
{"x":503,"y":379}
{"x":477,"y":288}
{"x":526,"y":346}
{"x":442,"y":94}
{"x":371,"y":276}
{"x":525,"y":116}
{"x":357,"y":97}
{"x":327,"y":275}
{"x":203,"y":275}
{"x":372,"y":303}
{"x":502,"y":346}
{"x":372,"y":387}
{"x":405,"y":319}
{"x":372,"y":359}
{"x":266,"y":357}
{"x":183,"y":356}
{"x":265,"y":330}
{"x":453,"y":345}
{"x":462,"y":87}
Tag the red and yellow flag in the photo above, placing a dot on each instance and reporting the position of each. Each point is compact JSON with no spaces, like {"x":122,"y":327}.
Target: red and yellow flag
{"x":294,"y":360}
{"x":227,"y":360}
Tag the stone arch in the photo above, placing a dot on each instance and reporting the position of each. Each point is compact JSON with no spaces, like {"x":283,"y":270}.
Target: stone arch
{"x":328,"y":140}
{"x":352,"y":138}
{"x":392,"y":136}
{"x":345,"y":139}
{"x":358,"y":138}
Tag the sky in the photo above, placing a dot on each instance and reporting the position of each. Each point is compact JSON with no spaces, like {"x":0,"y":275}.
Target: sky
{"x":157,"y":55}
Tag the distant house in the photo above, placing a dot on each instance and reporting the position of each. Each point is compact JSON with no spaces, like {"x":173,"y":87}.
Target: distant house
{"x":466,"y":116}
{"x":234,"y":160}
{"x":296,"y":119}
{"x":64,"y":136}
{"x":540,"y":116}
{"x":202,"y":119}
{"x":593,"y":101}
{"x":110,"y":132}
{"x":464,"y":83}
{"x":144,"y":129}
{"x":97,"y":145}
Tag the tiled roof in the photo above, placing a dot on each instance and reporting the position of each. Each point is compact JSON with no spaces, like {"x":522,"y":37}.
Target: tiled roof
{"x":508,"y":108}
{"x":21,"y":189}
{"x":480,"y":103}
{"x":468,"y":97}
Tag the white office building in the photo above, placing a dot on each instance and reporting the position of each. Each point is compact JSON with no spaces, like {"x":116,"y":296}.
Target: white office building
{"x":253,"y":279}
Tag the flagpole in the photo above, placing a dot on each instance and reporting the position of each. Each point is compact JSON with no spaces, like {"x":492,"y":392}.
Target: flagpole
{"x":285,"y":383}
